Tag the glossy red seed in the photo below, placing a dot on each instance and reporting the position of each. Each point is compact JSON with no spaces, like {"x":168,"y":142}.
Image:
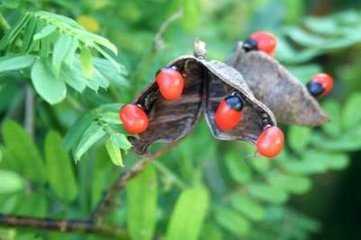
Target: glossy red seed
{"x":170,"y":83}
{"x":227,"y":118}
{"x":134,"y":119}
{"x":270,"y":142}
{"x":266,"y":42}
{"x":325,"y":80}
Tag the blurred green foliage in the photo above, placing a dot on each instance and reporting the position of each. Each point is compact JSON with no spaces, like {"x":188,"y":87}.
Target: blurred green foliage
{"x":221,"y":191}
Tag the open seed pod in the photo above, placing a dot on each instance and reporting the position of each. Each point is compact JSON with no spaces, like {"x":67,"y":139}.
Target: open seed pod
{"x":278,"y":89}
{"x":206,"y":84}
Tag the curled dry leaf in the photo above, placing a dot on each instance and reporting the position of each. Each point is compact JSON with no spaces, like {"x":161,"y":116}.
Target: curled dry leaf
{"x":278,"y":89}
{"x":206,"y":84}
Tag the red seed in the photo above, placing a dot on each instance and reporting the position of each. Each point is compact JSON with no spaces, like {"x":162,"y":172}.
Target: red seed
{"x":270,"y":142}
{"x":170,"y":83}
{"x":266,"y":42}
{"x":134,"y":119}
{"x":326,"y":81}
{"x":227,"y":118}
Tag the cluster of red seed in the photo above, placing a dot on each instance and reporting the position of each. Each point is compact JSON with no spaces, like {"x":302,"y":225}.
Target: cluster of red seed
{"x":229,"y":111}
{"x":170,"y":83}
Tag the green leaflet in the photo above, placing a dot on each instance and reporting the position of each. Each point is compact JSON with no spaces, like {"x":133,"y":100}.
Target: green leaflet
{"x":11,"y":35}
{"x":289,"y":183}
{"x":16,"y":62}
{"x":232,"y":221}
{"x":59,"y":169}
{"x":23,"y":153}
{"x":76,"y":131}
{"x":189,"y":214}
{"x":91,"y":136}
{"x":62,"y":48}
{"x":351,"y":115}
{"x":86,"y":61}
{"x":142,"y":205}
{"x":238,"y":169}
{"x":50,"y":88}
{"x":248,"y":207}
{"x":268,"y":193}
{"x":10,"y":182}
{"x":44,"y":32}
{"x":73,"y":78}
{"x":114,"y":152}
{"x":299,"y":137}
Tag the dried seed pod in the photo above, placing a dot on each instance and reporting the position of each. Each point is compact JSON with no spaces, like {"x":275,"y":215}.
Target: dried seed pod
{"x":171,"y":120}
{"x":278,"y":89}
{"x":222,"y":80}
{"x":206,"y":84}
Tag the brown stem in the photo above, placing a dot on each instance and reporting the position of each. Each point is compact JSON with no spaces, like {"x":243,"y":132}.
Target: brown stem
{"x":79,"y":226}
{"x":108,"y":202}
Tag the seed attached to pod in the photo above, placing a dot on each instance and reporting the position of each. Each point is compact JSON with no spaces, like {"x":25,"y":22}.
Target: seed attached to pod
{"x":262,"y":41}
{"x":270,"y":142}
{"x":134,"y":119}
{"x":170,"y":83}
{"x":229,"y":112}
{"x":320,"y":85}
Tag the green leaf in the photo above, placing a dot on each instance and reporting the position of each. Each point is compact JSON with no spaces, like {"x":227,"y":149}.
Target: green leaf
{"x":299,"y":137}
{"x":248,"y":207}
{"x":59,"y":170}
{"x":16,"y":62}
{"x":261,"y":164}
{"x":114,"y":152}
{"x":351,"y":115}
{"x":333,"y":128}
{"x":76,"y":131}
{"x":29,"y":32}
{"x":11,"y":35}
{"x":338,"y":161}
{"x":62,"y":48}
{"x":311,"y":163}
{"x":231,"y":221}
{"x":107,"y":69}
{"x":347,"y":141}
{"x":86,"y":61}
{"x":268,"y":193}
{"x":73,"y":78}
{"x":238,"y":169}
{"x":10,"y":182}
{"x":294,"y":184}
{"x":211,"y":232}
{"x":142,"y":205}
{"x":44,"y":32}
{"x":91,"y":136}
{"x":188,"y":215}
{"x":121,"y":141}
{"x":50,"y":88}
{"x":23,"y":152}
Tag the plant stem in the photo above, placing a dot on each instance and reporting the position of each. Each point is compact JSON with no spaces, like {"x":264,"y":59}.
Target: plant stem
{"x":64,"y":226}
{"x":168,"y":173}
{"x":108,"y":202}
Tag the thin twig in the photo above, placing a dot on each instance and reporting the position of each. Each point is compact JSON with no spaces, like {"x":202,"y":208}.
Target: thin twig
{"x":79,"y":226}
{"x":158,"y":44}
{"x":108,"y":202}
{"x":168,"y":173}
{"x":158,"y":39}
{"x":29,"y":110}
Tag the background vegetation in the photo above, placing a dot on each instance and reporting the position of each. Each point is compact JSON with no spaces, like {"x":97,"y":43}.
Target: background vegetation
{"x":62,"y":82}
